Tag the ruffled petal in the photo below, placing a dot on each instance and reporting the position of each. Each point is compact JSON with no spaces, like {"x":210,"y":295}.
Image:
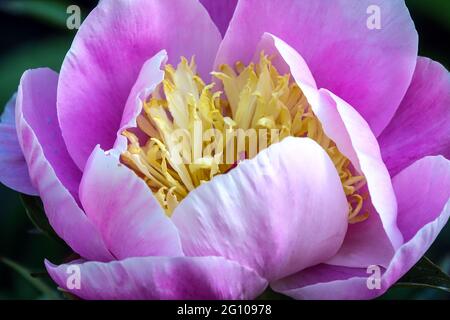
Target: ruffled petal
{"x":51,"y":169}
{"x":160,"y":278}
{"x":125,"y":211}
{"x":369,"y":68}
{"x":107,"y":54}
{"x":278,"y":213}
{"x":421,"y":125}
{"x":424,"y":209}
{"x":13,"y":167}
{"x":221,"y":12}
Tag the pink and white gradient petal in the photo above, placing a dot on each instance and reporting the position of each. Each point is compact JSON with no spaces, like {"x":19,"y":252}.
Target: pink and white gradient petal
{"x":162,"y":278}
{"x":260,"y":213}
{"x":129,"y":217}
{"x":107,"y":54}
{"x":51,"y":169}
{"x":355,"y":62}
{"x":430,"y":193}
{"x":13,"y":167}
{"x":356,"y":141}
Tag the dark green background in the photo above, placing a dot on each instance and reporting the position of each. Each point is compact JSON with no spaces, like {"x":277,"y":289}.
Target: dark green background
{"x":33,"y":34}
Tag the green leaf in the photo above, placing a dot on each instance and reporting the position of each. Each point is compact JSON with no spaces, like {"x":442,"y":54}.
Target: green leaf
{"x":426,"y":274}
{"x":47,"y":292}
{"x":35,"y":211}
{"x":49,"y":11}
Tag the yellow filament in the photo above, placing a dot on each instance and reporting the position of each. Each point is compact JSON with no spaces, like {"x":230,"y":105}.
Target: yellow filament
{"x":254,"y":97}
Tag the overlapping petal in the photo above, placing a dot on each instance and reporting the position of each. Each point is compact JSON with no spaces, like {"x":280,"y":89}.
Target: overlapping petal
{"x":221,"y":12}
{"x":369,"y":68}
{"x":51,"y":169}
{"x":107,"y":54}
{"x":356,"y":141}
{"x":162,"y":278}
{"x":120,"y":204}
{"x":13,"y":167}
{"x":149,"y":77}
{"x":278,"y":213}
{"x":421,"y":125}
{"x":352,"y":135}
{"x":430,"y":193}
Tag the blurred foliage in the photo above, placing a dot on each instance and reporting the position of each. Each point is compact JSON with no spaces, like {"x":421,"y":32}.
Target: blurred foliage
{"x":426,"y":274}
{"x":33,"y":34}
{"x":44,"y":11}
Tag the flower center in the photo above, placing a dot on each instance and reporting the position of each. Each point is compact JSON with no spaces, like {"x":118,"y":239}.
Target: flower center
{"x":194,"y":133}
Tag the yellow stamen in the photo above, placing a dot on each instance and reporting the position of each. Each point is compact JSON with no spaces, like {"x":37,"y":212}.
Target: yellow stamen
{"x":257,"y":97}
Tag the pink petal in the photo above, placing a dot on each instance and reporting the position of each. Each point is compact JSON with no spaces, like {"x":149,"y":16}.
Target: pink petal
{"x":125,"y":211}
{"x":37,"y":104}
{"x":278,"y":213}
{"x":13,"y":167}
{"x":221,"y":12}
{"x":286,"y":59}
{"x":355,"y":140}
{"x":365,"y":244}
{"x":422,"y":189}
{"x":352,"y":135}
{"x":105,"y":58}
{"x":424,"y":209}
{"x":421,"y":125}
{"x":161,"y":278}
{"x":325,"y":282}
{"x":51,"y":169}
{"x":369,"y":68}
{"x":151,"y":75}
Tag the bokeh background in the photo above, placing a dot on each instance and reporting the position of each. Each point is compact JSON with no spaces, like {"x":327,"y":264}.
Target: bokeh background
{"x":33,"y":34}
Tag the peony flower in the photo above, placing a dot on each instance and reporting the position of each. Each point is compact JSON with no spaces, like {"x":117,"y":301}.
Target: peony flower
{"x":356,"y":179}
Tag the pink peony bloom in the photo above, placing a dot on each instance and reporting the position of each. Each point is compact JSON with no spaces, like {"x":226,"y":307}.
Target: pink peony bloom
{"x":359,"y":179}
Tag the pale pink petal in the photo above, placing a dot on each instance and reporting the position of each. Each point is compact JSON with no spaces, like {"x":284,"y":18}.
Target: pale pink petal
{"x":123,"y":208}
{"x":107,"y":54}
{"x":369,"y":68}
{"x":424,"y":209}
{"x":150,"y":76}
{"x":286,"y":59}
{"x":160,"y":278}
{"x":13,"y":167}
{"x":352,"y":135}
{"x":421,"y":125}
{"x":356,"y":141}
{"x":52,"y":171}
{"x":278,"y":213}
{"x":365,"y":243}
